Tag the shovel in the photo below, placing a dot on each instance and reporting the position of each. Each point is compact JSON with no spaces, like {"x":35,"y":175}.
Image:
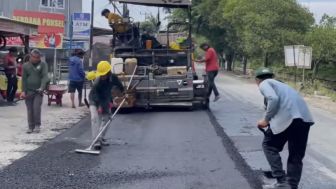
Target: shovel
{"x":86,"y":102}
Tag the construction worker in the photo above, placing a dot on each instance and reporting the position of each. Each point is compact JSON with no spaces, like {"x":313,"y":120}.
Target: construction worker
{"x":10,"y":70}
{"x":100,"y":98}
{"x":124,"y":31}
{"x":287,"y":119}
{"x":211,"y":67}
{"x":115,"y":21}
{"x":91,"y":76}
{"x":76,"y":76}
{"x":34,"y":82}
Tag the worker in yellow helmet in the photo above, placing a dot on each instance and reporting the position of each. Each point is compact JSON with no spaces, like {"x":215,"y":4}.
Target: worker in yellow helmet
{"x":91,"y":76}
{"x":100,"y":97}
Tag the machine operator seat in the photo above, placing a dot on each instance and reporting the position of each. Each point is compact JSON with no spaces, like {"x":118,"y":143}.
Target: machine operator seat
{"x":125,"y":34}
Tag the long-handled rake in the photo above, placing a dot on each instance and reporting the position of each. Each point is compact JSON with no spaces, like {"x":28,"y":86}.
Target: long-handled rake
{"x":90,"y":149}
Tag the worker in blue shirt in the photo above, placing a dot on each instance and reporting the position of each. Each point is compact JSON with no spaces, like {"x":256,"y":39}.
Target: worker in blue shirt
{"x":287,"y":119}
{"x":76,"y":76}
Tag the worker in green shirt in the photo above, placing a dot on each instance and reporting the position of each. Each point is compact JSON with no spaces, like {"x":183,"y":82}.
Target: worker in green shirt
{"x":34,"y":82}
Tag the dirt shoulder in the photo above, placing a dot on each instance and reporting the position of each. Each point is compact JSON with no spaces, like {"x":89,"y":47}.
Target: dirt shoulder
{"x":322,"y":102}
{"x":15,"y":143}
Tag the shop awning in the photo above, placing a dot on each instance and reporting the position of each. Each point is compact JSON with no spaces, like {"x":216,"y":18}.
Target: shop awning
{"x":12,"y":28}
{"x":159,"y":3}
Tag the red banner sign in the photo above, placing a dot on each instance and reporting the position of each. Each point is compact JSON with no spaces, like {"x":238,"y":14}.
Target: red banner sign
{"x":14,"y":41}
{"x":40,"y":41}
{"x":47,"y":22}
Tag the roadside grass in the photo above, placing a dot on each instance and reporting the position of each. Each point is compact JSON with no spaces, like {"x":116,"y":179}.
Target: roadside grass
{"x":324,"y":83}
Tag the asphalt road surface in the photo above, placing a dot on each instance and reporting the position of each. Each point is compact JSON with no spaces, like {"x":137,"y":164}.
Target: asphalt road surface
{"x":238,"y":111}
{"x":150,"y":150}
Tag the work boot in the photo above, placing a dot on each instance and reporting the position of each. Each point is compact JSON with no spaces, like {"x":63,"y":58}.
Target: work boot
{"x":37,"y":129}
{"x":97,"y":146}
{"x":277,"y":185}
{"x":29,"y":131}
{"x":281,"y":183}
{"x":268,"y":174}
{"x":216,"y":98}
{"x":104,"y":142}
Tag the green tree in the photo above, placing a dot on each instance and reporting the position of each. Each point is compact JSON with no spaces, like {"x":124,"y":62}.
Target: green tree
{"x":322,"y":38}
{"x":151,"y":25}
{"x":251,"y":29}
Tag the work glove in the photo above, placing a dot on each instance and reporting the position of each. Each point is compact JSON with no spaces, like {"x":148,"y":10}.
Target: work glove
{"x":102,"y":110}
{"x":39,"y":91}
{"x":23,"y":95}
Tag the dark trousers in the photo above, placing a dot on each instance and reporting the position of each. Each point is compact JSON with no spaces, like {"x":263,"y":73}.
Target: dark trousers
{"x":297,"y":136}
{"x":34,"y":105}
{"x":77,"y":85}
{"x":212,"y":86}
{"x":11,"y":87}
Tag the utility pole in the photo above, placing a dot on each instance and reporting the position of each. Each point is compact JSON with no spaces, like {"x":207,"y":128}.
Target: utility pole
{"x":91,"y":35}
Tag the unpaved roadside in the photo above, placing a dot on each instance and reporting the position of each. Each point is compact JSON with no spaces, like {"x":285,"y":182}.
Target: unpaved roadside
{"x":15,"y":143}
{"x":322,"y":102}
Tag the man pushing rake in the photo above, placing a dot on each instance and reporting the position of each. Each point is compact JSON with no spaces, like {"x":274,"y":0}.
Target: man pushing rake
{"x":100,"y":98}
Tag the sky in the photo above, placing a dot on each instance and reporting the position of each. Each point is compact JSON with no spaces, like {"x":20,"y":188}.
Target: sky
{"x":317,"y":7}
{"x":138,"y":13}
{"x":320,"y":7}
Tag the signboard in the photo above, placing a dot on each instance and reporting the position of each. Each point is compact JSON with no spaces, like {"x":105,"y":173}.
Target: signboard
{"x":81,"y":25}
{"x":15,"y":28}
{"x":305,"y":57}
{"x":291,"y":55}
{"x":40,"y":41}
{"x":50,"y":29}
{"x":47,"y":22}
{"x":298,"y":56}
{"x":47,"y":41}
{"x":76,"y":45}
{"x":14,"y":41}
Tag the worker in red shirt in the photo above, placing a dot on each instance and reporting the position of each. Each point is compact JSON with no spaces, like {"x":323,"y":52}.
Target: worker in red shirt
{"x":211,"y":67}
{"x":10,"y":70}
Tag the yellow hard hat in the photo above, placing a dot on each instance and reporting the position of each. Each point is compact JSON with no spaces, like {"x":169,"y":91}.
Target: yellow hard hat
{"x":91,"y":75}
{"x":103,"y":68}
{"x":174,"y":46}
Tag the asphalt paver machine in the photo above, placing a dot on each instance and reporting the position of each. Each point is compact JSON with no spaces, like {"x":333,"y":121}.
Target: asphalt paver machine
{"x":164,"y":75}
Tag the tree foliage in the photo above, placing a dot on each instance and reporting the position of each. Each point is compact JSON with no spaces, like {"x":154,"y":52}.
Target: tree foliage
{"x":151,"y":25}
{"x":322,"y":38}
{"x":252,"y":29}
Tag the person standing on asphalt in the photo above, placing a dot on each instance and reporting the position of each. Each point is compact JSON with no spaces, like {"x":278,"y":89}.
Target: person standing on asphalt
{"x":34,"y":82}
{"x":100,"y":98}
{"x":10,"y":70}
{"x":287,"y":119}
{"x":76,"y":76}
{"x":211,"y":67}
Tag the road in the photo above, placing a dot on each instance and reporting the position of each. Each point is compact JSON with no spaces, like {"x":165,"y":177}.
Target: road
{"x":159,"y":150}
{"x":240,"y":109}
{"x":176,"y":149}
